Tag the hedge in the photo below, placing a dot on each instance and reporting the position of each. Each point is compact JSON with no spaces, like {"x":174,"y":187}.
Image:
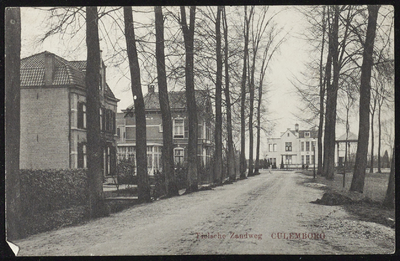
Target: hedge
{"x":52,"y":189}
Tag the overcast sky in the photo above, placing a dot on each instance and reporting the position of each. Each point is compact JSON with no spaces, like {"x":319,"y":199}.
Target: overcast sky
{"x":288,"y":63}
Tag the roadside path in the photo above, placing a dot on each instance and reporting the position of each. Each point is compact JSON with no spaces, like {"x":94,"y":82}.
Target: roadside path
{"x":252,"y":216}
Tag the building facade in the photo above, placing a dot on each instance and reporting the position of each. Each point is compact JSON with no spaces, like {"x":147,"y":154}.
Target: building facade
{"x":126,"y":129}
{"x":53,"y":114}
{"x":293,"y":149}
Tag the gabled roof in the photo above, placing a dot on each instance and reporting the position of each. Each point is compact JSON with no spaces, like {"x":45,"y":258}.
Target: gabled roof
{"x":291,"y":131}
{"x":351,"y":137}
{"x":313,"y":133}
{"x":177,"y":100}
{"x":65,"y":72}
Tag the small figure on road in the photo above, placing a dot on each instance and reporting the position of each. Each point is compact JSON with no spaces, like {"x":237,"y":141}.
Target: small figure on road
{"x":270,"y":167}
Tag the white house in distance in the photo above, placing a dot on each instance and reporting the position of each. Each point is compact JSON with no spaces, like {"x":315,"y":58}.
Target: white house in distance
{"x":293,"y":149}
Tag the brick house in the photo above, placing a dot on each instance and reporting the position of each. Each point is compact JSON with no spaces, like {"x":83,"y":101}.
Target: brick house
{"x":126,"y":129}
{"x":53,"y":114}
{"x":294,"y":148}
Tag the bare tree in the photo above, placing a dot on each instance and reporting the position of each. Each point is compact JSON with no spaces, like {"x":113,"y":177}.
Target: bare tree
{"x":12,"y":120}
{"x":231,"y":152}
{"x":331,"y":99}
{"x":140,"y":114}
{"x":94,"y":154}
{"x":357,"y":183}
{"x":272,"y":45}
{"x":372,"y":112}
{"x":246,"y":28}
{"x":168,"y":148}
{"x":218,"y":103}
{"x":322,"y":80}
{"x":188,"y":35}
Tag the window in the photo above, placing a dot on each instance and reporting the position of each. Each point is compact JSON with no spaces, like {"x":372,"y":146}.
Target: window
{"x":208,"y":133}
{"x":160,"y":128}
{"x":270,"y":147}
{"x":288,"y":159}
{"x":149,"y":157}
{"x":179,"y":156}
{"x":313,"y":145}
{"x":288,"y":146}
{"x":302,"y":159}
{"x":275,"y":147}
{"x":82,"y":159}
{"x":307,"y":146}
{"x":118,"y":132}
{"x":178,"y":128}
{"x":101,"y":118}
{"x":108,"y":160}
{"x":108,"y":120}
{"x":81,"y":115}
{"x":302,"y":146}
{"x":156,"y":158}
{"x":307,"y":159}
{"x":288,"y":134}
{"x":306,"y":134}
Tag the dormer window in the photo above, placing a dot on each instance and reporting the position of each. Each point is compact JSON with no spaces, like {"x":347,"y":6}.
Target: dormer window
{"x":288,"y":134}
{"x":306,"y":134}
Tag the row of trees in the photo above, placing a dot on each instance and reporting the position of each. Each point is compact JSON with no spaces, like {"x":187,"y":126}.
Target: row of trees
{"x":210,"y":56}
{"x":354,"y":46}
{"x":259,"y":30}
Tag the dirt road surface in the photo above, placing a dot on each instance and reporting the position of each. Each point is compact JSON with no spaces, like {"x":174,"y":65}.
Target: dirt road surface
{"x":267,"y":214}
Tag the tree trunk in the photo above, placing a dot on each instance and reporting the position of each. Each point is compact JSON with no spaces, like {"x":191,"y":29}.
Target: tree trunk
{"x":94,"y":150}
{"x":251,"y":113}
{"x":328,"y":74}
{"x":257,"y":163}
{"x":357,"y":183}
{"x":379,"y":137}
{"x":12,"y":121}
{"x":231,"y":153}
{"x":168,"y":147}
{"x":218,"y":100}
{"x":371,"y":170}
{"x":188,"y":35}
{"x":140,"y":113}
{"x":389,"y":200}
{"x":321,"y":97}
{"x":331,"y":101}
{"x":243,"y":99}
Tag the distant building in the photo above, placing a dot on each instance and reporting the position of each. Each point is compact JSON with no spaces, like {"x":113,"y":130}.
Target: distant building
{"x":293,"y":148}
{"x":126,"y":129}
{"x":53,"y":114}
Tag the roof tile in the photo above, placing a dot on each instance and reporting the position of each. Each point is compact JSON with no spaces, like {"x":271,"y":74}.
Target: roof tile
{"x":65,"y":72}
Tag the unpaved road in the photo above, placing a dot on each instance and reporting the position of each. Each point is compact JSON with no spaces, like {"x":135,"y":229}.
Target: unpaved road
{"x":252,"y":216}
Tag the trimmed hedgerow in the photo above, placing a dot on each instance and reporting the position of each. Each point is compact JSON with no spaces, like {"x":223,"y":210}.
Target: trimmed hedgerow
{"x":52,"y":198}
{"x":50,"y":190}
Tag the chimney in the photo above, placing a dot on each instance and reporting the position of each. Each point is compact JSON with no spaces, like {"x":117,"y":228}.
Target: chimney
{"x":296,"y":127}
{"x":48,"y":68}
{"x":151,"y":88}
